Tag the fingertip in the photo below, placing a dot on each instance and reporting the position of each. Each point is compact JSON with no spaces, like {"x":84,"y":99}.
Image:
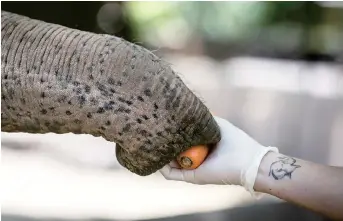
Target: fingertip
{"x":174,"y":164}
{"x":171,"y":173}
{"x":165,"y":170}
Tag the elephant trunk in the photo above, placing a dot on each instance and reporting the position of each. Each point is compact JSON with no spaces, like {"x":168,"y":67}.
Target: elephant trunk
{"x":61,"y":80}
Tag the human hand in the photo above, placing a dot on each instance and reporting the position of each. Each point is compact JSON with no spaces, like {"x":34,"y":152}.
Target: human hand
{"x":234,"y":160}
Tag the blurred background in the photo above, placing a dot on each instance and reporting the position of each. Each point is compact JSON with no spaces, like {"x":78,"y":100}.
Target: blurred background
{"x":274,"y":69}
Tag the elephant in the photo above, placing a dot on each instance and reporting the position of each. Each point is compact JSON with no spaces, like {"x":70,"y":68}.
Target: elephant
{"x":56,"y":79}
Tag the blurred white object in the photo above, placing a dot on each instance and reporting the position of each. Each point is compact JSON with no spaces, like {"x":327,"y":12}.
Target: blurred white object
{"x":70,"y":176}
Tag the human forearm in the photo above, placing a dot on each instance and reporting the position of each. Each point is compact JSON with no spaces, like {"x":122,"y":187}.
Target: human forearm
{"x":316,"y":187}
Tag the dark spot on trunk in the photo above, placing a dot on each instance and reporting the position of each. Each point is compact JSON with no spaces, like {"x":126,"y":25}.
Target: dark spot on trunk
{"x":127,"y":128}
{"x":102,"y":128}
{"x":145,"y":117}
{"x":147,"y":92}
{"x":112,"y":90}
{"x":143,"y":133}
{"x":155,"y":106}
{"x":68,"y":112}
{"x":121,"y":109}
{"x":43,"y":111}
{"x":94,"y":101}
{"x":87,"y":89}
{"x":155,"y":116}
{"x":89,"y":115}
{"x":139,"y":120}
{"x":90,"y":77}
{"x":168,"y":130}
{"x":111,"y":81}
{"x":69,"y":102}
{"x":102,"y":89}
{"x":140,"y":98}
{"x":23,"y":100}
{"x":78,"y":90}
{"x":108,"y":106}
{"x":148,"y":142}
{"x":6,"y":76}
{"x":42,"y":95}
{"x":11,"y":92}
{"x":51,"y":108}
{"x":100,"y":110}
{"x":76,"y":83}
{"x":108,"y":123}
{"x":121,"y":99}
{"x":82,"y":100}
{"x":62,"y":99}
{"x":176,"y":104}
{"x":120,"y":141}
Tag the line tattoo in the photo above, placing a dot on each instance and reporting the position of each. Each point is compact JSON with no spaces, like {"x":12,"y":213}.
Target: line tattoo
{"x":283,"y":168}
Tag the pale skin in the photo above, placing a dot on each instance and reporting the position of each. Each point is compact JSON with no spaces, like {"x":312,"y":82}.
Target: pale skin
{"x":307,"y":184}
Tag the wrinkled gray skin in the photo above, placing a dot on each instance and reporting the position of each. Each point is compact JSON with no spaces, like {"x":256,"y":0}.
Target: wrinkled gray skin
{"x":61,"y":80}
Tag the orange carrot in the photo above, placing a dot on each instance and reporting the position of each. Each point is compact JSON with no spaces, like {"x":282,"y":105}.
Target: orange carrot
{"x":193,"y":157}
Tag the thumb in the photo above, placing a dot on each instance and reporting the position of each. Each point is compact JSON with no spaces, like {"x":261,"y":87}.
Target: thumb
{"x":171,"y":173}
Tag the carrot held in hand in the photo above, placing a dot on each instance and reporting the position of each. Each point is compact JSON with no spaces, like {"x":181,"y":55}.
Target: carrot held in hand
{"x":193,"y":157}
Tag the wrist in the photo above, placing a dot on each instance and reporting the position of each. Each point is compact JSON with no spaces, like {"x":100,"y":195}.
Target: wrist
{"x":263,"y":182}
{"x":249,"y":175}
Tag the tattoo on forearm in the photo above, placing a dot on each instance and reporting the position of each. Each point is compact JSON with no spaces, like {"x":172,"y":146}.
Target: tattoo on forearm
{"x":283,"y":168}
